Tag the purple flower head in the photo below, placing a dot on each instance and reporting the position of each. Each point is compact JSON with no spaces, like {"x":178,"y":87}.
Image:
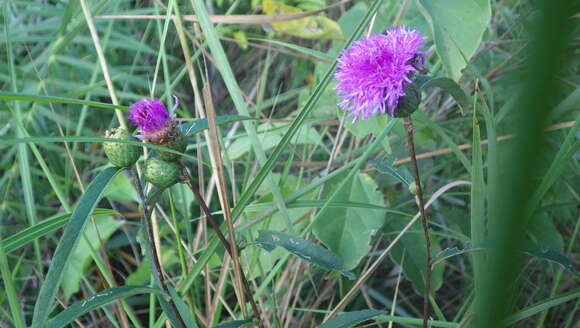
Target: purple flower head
{"x":153,"y":120}
{"x":373,"y":72}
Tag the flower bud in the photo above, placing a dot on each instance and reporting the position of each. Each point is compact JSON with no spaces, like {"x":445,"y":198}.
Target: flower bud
{"x":408,"y":103}
{"x":413,"y":188}
{"x":121,"y":154}
{"x":162,"y":174}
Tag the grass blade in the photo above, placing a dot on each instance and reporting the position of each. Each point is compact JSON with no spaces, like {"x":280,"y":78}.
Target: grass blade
{"x":68,"y":241}
{"x":96,"y":301}
{"x":57,"y":100}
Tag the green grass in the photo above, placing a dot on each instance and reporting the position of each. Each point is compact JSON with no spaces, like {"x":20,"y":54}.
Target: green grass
{"x":290,"y":162}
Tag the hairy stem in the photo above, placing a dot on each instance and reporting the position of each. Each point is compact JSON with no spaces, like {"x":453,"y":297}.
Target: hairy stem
{"x":411,"y":148}
{"x":212,"y":221}
{"x":157,"y":269}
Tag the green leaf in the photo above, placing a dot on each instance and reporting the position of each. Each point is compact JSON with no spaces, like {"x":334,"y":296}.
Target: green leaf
{"x":68,"y":241}
{"x":413,"y":245}
{"x":269,"y":135}
{"x":121,"y":189}
{"x":349,"y":319}
{"x":542,"y":306}
{"x":457,"y":26}
{"x":44,"y":227}
{"x":232,"y":324}
{"x":297,"y":48}
{"x":450,"y":86}
{"x":143,"y":273}
{"x":81,"y":256}
{"x":302,"y":248}
{"x":197,"y":126}
{"x":385,"y":165}
{"x":96,"y":301}
{"x":58,"y":100}
{"x":348,"y":231}
{"x":182,"y":308}
{"x":530,"y":249}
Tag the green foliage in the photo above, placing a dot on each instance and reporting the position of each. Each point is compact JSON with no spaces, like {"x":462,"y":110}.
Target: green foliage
{"x":302,"y":248}
{"x":348,"y":231}
{"x":294,"y":167}
{"x":457,"y":27}
{"x":68,"y":243}
{"x":349,"y":319}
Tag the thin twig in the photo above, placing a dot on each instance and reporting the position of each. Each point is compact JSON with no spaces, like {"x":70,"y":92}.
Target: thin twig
{"x":212,"y":221}
{"x":411,"y":147}
{"x":156,"y":263}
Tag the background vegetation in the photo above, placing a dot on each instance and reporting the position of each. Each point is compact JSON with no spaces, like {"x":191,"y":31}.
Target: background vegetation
{"x":296,"y":174}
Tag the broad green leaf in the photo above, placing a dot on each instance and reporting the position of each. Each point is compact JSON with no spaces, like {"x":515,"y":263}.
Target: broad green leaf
{"x":42,"y":228}
{"x":232,"y":324}
{"x":312,"y":27}
{"x":385,"y":165}
{"x":121,"y":189}
{"x":143,"y":272}
{"x":348,"y":231}
{"x":302,"y":248}
{"x":412,"y":244}
{"x":67,"y":243}
{"x":81,"y":256}
{"x":451,"y":87}
{"x":58,"y":100}
{"x":349,"y":319}
{"x":457,"y":26}
{"x":270,"y":135}
{"x":545,"y":233}
{"x":96,"y":301}
{"x":199,"y":125}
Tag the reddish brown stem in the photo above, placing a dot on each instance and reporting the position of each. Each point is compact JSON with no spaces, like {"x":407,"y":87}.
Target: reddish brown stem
{"x":411,"y":148}
{"x":213,"y":222}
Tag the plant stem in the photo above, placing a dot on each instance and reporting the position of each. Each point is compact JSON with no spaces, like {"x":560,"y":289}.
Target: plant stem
{"x":157,"y":269}
{"x":411,"y":148}
{"x":212,"y":221}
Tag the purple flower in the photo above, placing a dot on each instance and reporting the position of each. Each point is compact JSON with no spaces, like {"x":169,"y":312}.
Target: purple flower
{"x":154,"y":121}
{"x":373,"y":72}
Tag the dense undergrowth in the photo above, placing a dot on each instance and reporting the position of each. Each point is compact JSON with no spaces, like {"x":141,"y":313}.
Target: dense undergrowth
{"x":321,"y":205}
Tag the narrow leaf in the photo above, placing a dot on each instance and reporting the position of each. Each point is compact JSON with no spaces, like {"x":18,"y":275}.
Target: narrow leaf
{"x":302,"y":248}
{"x":96,"y":301}
{"x":232,"y":324}
{"x":67,"y":244}
{"x":44,"y":227}
{"x":58,"y":100}
{"x":451,"y":87}
{"x":349,"y":319}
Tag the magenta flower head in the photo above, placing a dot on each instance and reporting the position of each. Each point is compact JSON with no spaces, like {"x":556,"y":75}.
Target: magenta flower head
{"x":155,"y":123}
{"x":158,"y":126}
{"x":373,"y":73}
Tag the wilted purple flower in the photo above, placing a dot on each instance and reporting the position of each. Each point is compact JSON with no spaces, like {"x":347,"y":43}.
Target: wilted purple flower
{"x":373,"y":72}
{"x":154,"y":121}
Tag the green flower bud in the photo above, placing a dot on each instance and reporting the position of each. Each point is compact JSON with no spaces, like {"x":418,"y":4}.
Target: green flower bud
{"x":409,"y":103}
{"x":162,"y":174}
{"x":413,"y":188}
{"x":121,"y":154}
